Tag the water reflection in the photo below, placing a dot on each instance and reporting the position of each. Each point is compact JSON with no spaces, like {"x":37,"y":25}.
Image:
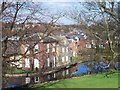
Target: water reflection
{"x":94,"y":67}
{"x":84,"y":68}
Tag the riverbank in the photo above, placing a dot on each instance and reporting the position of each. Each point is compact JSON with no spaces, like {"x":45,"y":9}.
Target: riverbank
{"x":86,"y":81}
{"x":20,"y":75}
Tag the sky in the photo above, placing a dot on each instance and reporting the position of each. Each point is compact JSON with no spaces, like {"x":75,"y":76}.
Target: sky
{"x":57,"y":7}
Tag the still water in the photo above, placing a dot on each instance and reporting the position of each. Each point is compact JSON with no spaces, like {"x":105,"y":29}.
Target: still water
{"x":12,"y":82}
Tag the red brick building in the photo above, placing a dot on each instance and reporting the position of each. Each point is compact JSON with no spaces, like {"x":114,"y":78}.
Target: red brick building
{"x":41,"y":55}
{"x":77,"y":45}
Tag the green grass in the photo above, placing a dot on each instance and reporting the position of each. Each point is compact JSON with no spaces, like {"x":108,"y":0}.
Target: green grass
{"x":87,"y":81}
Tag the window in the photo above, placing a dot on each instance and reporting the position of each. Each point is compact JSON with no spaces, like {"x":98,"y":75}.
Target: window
{"x":100,"y":46}
{"x":63,"y":49}
{"x":62,"y":59}
{"x":27,"y":62}
{"x":26,"y":49}
{"x":67,"y":72}
{"x":47,"y":48}
{"x":36,"y":79}
{"x":65,"y":42}
{"x":36,"y":63}
{"x":54,"y":61}
{"x":63,"y":73}
{"x":67,"y":49}
{"x":20,"y":64}
{"x":88,"y":45}
{"x":66,"y":58}
{"x":54,"y":75}
{"x":48,"y":77}
{"x":48,"y":62}
{"x":27,"y":80}
{"x":76,"y":47}
{"x":36,"y":48}
{"x":54,"y":44}
{"x":53,"y":49}
{"x":35,"y":51}
{"x":74,"y":54}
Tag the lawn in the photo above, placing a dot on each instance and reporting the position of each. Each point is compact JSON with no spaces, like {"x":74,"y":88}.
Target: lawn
{"x":86,"y":81}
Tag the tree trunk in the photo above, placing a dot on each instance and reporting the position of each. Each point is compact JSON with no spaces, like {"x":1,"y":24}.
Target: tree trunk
{"x":0,"y":56}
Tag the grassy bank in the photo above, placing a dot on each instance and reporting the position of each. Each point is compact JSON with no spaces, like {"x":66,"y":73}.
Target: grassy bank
{"x":87,"y":81}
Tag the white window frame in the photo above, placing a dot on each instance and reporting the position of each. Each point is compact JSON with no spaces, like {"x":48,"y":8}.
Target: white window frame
{"x":36,"y":63}
{"x":54,"y":75}
{"x":36,"y":48}
{"x":63,"y":73}
{"x":48,"y":62}
{"x":54,"y":61}
{"x":20,"y":64}
{"x":67,"y":72}
{"x":27,"y":63}
{"x":88,"y":45}
{"x":76,"y":47}
{"x":36,"y":80}
{"x":66,"y":49}
{"x":53,"y":49}
{"x":48,"y":77}
{"x":27,"y":80}
{"x":74,"y":54}
{"x":65,"y":42}
{"x":54,"y":44}
{"x":63,"y":49}
{"x":26,"y":48}
{"x":63,"y":59}
{"x":67,"y":58}
{"x":47,"y":47}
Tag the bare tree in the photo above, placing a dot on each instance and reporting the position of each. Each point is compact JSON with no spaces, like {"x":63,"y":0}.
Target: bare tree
{"x":100,"y":13}
{"x":14,"y":19}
